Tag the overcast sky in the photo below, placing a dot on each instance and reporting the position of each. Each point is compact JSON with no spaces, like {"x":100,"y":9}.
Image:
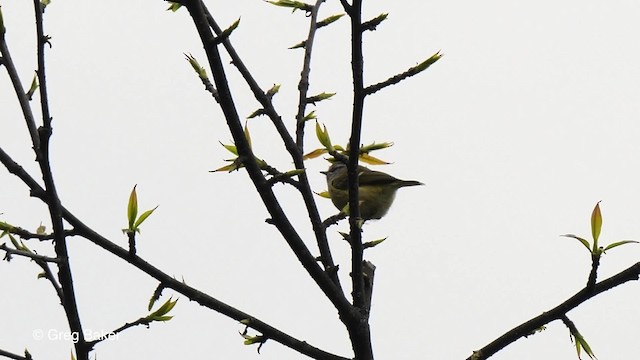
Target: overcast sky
{"x":530,"y":118}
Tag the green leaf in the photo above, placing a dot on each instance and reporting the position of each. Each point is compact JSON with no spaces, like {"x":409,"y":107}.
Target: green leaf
{"x":257,"y":113}
{"x":373,"y":243}
{"x":227,"y":168}
{"x":202,"y":73}
{"x":317,"y":98}
{"x":144,"y":217}
{"x":310,"y":116}
{"x":372,"y":160}
{"x":231,"y":148}
{"x":294,"y":172}
{"x":14,"y":241}
{"x":132,"y":208}
{"x":5,"y":226}
{"x":582,"y":343}
{"x":250,"y":340}
{"x":375,"y":146}
{"x":229,"y":30}
{"x":274,"y":90}
{"x":314,"y":154}
{"x":34,"y":86}
{"x":323,"y":136}
{"x":174,"y":6}
{"x":583,"y":241}
{"x":296,"y":5}
{"x":160,"y":314}
{"x":373,"y":23}
{"x":430,"y":61}
{"x":618,"y":243}
{"x":246,"y":133}
{"x":329,"y":20}
{"x":596,"y":223}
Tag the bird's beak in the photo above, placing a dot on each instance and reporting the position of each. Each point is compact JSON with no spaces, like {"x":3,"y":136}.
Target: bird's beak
{"x":323,"y":172}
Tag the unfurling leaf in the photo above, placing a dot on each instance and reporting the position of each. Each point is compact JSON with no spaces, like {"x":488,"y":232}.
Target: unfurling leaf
{"x":430,"y":61}
{"x":225,"y":34}
{"x":257,"y":113}
{"x":274,"y":90}
{"x":583,"y":241}
{"x":373,"y":243}
{"x":174,"y":6}
{"x":202,"y":73}
{"x":161,"y":313}
{"x":329,"y":20}
{"x":144,"y":217}
{"x":310,"y":116}
{"x":373,"y":23}
{"x":581,"y":343}
{"x":34,"y":86}
{"x":231,"y":148}
{"x":375,"y":146}
{"x":132,"y":213}
{"x":615,"y":244}
{"x":366,"y":158}
{"x":227,"y":168}
{"x":316,"y":98}
{"x":294,"y":172}
{"x":323,"y":136}
{"x":596,"y":224}
{"x":292,"y":4}
{"x":246,"y":133}
{"x":132,"y":207}
{"x":314,"y":154}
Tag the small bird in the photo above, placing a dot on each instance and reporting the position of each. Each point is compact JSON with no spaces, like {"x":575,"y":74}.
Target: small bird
{"x":376,"y":190}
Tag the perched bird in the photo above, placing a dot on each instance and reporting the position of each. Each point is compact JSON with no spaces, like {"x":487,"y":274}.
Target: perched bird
{"x":376,"y":189}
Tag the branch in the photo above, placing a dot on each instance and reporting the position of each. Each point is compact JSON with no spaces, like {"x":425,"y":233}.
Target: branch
{"x":529,"y":327}
{"x":357,"y":326}
{"x":303,"y":85}
{"x":7,"y":61}
{"x":51,"y":197}
{"x":397,"y":78}
{"x":295,"y":152}
{"x":31,"y":255}
{"x":167,"y":281}
{"x":282,"y":223}
{"x":9,"y":355}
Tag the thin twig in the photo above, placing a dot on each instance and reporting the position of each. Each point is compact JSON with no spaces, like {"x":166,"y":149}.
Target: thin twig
{"x":530,"y":326}
{"x":303,"y":84}
{"x":13,"y":356}
{"x":29,"y":118}
{"x":31,"y":255}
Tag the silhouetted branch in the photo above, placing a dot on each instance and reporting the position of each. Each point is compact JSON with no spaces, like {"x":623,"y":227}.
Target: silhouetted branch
{"x":529,"y":327}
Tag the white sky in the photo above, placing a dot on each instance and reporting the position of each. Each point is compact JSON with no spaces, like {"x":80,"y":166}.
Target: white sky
{"x":529,"y":120}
